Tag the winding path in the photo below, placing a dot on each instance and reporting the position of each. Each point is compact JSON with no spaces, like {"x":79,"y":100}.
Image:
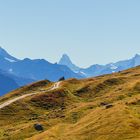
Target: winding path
{"x":55,"y":86}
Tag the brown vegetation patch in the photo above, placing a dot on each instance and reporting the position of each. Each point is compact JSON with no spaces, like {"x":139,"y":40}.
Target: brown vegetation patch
{"x":50,"y":100}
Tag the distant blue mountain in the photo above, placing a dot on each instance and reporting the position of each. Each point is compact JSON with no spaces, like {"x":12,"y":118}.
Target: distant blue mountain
{"x":10,"y":82}
{"x":37,"y":69}
{"x":21,"y":81}
{"x":7,"y":83}
{"x":6,"y":56}
{"x":65,"y":60}
{"x":96,"y":70}
{"x":40,"y":69}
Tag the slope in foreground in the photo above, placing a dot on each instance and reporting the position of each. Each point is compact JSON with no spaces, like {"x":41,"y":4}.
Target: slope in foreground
{"x":101,"y":108}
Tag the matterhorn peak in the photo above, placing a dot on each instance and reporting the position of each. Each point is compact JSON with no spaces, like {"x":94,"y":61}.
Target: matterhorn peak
{"x":65,"y":60}
{"x":136,"y":56}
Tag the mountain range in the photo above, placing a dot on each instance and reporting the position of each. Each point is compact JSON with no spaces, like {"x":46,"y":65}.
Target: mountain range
{"x":26,"y":71}
{"x":22,"y":72}
{"x":97,"y":70}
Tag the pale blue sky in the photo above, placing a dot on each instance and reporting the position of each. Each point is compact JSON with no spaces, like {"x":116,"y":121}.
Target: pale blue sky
{"x":89,"y":31}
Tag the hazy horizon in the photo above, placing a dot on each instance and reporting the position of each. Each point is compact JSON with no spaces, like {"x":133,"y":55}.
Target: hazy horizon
{"x":90,"y":32}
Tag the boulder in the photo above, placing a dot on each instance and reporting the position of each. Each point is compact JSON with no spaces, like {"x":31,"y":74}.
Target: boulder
{"x":62,"y":78}
{"x":38,"y":127}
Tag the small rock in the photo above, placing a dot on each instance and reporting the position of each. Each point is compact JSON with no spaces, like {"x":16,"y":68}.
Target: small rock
{"x":109,"y":106}
{"x":38,"y":127}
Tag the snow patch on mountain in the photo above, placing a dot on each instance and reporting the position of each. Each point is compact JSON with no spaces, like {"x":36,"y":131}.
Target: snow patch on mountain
{"x":10,"y":70}
{"x":113,"y":67}
{"x":10,"y":60}
{"x":83,"y":73}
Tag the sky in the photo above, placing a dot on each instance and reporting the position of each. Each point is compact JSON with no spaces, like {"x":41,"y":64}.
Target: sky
{"x":89,"y":31}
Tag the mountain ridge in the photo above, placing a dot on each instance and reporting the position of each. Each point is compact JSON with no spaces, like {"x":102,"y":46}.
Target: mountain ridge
{"x":36,"y":69}
{"x":7,"y":56}
{"x":97,"y":70}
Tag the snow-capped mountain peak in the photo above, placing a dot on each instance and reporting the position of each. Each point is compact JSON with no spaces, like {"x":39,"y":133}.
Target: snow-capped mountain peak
{"x":5,"y":55}
{"x":136,"y":60}
{"x":137,"y":56}
{"x":65,"y":60}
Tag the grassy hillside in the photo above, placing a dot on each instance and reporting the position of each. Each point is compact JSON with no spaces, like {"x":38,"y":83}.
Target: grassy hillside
{"x":101,"y":108}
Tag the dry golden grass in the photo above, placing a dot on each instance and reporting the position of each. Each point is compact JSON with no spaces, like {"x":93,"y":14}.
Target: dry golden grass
{"x":101,"y":108}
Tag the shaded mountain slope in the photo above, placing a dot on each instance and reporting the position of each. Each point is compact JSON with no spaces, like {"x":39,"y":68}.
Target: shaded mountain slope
{"x":7,"y":83}
{"x":40,"y":69}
